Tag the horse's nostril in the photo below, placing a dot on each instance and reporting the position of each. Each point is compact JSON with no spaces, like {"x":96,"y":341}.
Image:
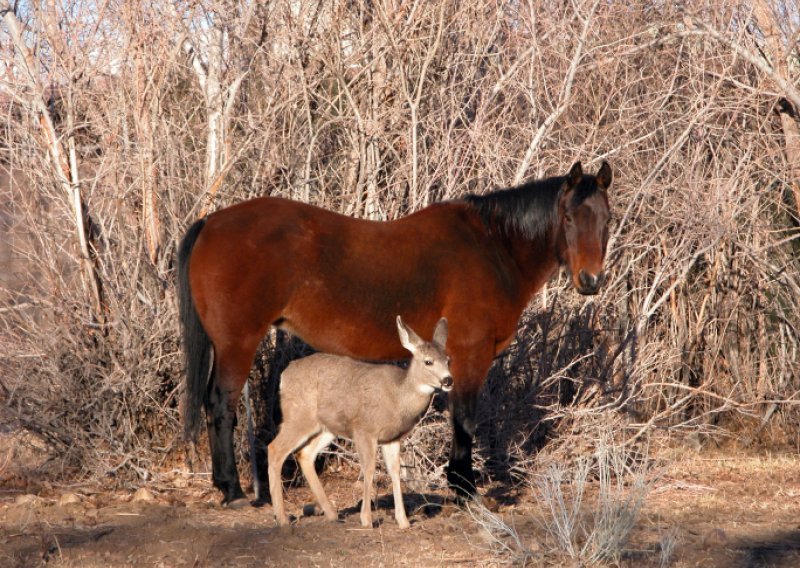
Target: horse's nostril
{"x":590,"y":283}
{"x":587,"y":280}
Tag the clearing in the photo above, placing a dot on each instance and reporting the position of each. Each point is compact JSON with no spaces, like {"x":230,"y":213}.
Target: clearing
{"x":703,"y":510}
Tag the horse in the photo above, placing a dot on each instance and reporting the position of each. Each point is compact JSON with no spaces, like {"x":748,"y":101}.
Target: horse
{"x":338,"y":283}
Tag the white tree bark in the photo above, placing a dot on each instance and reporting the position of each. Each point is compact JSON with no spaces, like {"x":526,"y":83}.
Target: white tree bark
{"x":219,"y":99}
{"x":65,"y":165}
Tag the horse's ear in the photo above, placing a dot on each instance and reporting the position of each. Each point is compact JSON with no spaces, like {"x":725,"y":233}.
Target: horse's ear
{"x":440,"y":333}
{"x":571,"y":181}
{"x":604,"y":176}
{"x":574,"y":176}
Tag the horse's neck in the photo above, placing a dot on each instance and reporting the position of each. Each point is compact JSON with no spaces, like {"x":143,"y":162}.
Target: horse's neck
{"x":536,"y":260}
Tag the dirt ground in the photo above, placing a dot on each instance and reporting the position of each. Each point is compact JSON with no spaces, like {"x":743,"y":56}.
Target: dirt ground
{"x":704,"y":510}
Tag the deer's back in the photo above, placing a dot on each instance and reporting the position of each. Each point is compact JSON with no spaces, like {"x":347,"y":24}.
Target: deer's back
{"x":348,"y":396}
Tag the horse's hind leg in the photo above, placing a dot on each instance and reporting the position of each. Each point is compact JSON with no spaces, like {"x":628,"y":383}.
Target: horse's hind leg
{"x":231,"y":368}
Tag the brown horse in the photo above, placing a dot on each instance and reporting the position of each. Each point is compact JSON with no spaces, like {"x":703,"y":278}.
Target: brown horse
{"x":338,"y":283}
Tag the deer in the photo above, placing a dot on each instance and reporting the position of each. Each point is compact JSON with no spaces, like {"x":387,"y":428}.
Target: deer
{"x":323,"y":396}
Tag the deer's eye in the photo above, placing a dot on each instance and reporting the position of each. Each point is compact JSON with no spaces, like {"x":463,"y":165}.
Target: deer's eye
{"x":428,"y":362}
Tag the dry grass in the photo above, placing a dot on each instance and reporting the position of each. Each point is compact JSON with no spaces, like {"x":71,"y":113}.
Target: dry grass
{"x":586,"y":510}
{"x":501,"y":538}
{"x":598,"y":532}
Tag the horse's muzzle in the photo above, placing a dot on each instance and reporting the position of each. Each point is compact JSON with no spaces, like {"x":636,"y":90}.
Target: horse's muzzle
{"x":590,"y":283}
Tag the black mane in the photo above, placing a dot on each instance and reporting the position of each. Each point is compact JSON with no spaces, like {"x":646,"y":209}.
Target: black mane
{"x":530,"y":209}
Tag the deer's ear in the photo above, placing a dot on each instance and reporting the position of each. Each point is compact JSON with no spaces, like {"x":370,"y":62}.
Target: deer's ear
{"x":408,"y":338}
{"x":440,"y":333}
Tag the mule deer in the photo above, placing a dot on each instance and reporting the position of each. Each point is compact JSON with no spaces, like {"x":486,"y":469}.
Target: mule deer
{"x":323,"y":396}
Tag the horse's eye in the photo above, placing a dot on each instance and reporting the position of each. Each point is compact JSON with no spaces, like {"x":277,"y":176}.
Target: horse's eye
{"x":568,"y":218}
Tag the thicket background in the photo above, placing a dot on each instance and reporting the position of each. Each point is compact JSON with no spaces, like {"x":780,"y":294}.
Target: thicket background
{"x":123,"y":121}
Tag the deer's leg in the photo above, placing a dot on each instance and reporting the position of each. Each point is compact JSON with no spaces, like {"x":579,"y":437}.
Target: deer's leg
{"x":391,"y":455}
{"x":276,"y":455}
{"x":366,"y":448}
{"x":469,"y":365}
{"x":306,"y":457}
{"x":289,"y":438}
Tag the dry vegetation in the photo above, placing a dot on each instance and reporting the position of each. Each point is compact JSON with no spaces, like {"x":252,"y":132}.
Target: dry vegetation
{"x":124,"y":121}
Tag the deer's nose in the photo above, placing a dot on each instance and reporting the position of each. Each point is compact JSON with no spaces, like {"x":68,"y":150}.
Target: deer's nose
{"x":447,"y":382}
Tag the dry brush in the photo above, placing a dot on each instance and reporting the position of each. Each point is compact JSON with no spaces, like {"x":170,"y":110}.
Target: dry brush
{"x":124,"y":121}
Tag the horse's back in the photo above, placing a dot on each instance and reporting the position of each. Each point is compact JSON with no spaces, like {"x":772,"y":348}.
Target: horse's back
{"x":339,"y":282}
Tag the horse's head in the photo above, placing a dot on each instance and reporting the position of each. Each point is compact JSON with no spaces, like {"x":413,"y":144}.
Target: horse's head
{"x":583,"y":216}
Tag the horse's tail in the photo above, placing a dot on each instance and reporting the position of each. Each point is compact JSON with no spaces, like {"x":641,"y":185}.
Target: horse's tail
{"x":196,"y":343}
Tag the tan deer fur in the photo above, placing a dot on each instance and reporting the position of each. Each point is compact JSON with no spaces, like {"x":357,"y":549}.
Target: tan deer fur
{"x":323,"y":396}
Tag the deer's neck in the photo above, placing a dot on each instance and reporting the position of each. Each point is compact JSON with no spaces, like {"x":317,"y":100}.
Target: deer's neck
{"x":414,"y":399}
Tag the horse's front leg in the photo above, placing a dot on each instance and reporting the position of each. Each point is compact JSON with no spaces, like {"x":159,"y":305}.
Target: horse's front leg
{"x":469,"y":366}
{"x":460,"y":476}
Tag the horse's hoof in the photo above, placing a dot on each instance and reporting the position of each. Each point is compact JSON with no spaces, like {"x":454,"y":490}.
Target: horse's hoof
{"x":488,"y":502}
{"x":239,"y":503}
{"x":260,"y":502}
{"x":462,"y":500}
{"x":463,"y":495}
{"x":309,"y":510}
{"x":450,"y":507}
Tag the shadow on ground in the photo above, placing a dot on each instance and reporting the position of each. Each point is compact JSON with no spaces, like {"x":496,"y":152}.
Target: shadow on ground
{"x":782,"y":549}
{"x":428,"y":505}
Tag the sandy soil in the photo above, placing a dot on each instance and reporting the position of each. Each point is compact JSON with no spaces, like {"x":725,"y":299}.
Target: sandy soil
{"x":710,"y":510}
